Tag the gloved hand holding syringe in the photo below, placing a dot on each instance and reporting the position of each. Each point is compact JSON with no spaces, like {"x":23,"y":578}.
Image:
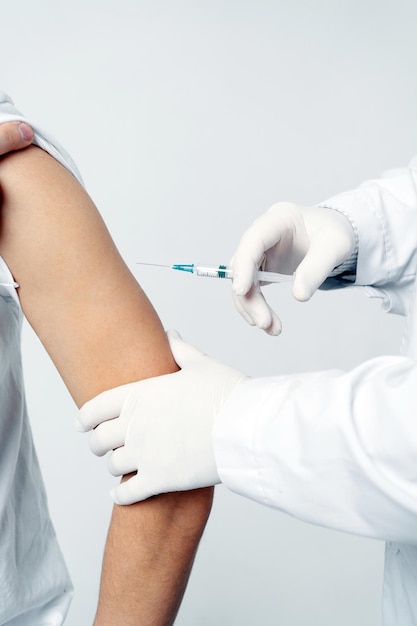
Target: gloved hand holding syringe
{"x":222,"y":271}
{"x":309,"y":245}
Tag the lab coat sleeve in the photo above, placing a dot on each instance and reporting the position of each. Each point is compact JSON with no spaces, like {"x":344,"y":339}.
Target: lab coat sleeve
{"x":384,"y":212}
{"x":331,"y":448}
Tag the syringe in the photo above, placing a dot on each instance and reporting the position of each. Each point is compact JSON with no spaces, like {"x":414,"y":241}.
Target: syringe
{"x":222,"y":271}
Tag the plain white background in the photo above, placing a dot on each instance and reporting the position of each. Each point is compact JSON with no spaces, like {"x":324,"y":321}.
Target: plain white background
{"x":187,"y":120}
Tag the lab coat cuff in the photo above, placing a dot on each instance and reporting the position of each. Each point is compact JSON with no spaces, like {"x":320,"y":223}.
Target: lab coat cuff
{"x":346,"y":271}
{"x":372,"y":265}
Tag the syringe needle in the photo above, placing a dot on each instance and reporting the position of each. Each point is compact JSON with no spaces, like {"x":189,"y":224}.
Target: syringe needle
{"x":153,"y":264}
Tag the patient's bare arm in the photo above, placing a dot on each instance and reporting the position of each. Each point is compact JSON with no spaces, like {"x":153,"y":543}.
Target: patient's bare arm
{"x":101,"y":331}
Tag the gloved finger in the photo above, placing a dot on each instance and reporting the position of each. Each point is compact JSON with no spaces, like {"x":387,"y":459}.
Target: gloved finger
{"x":182,"y":352}
{"x":256,"y":307}
{"x":239,"y":302}
{"x":253,"y":307}
{"x":282,"y":222}
{"x":323,"y":255}
{"x":122,"y":461}
{"x":245,"y":263}
{"x":15,"y":136}
{"x":107,"y":436}
{"x":105,"y":406}
{"x":135,"y":489}
{"x":255,"y":241}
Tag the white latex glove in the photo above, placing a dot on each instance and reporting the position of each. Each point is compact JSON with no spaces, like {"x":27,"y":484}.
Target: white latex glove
{"x":287,"y":238}
{"x":165,"y":424}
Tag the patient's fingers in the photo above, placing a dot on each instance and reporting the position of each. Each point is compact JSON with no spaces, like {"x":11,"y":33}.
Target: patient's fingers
{"x":14,"y":136}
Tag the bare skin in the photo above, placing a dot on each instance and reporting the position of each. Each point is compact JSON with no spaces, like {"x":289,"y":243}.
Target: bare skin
{"x":101,"y":331}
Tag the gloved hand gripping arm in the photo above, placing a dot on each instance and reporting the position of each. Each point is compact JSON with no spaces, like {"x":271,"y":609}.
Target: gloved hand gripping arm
{"x":163,"y":425}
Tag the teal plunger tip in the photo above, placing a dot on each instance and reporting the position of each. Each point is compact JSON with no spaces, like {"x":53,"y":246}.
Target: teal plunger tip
{"x":187,"y":267}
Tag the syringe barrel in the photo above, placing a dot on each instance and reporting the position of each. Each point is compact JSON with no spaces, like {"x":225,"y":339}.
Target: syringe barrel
{"x":213,"y":271}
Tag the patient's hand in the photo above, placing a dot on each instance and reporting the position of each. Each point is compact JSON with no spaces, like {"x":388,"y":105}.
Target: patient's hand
{"x":14,"y":136}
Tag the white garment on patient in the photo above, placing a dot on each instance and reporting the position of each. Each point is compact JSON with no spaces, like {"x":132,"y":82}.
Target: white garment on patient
{"x":35,"y":587}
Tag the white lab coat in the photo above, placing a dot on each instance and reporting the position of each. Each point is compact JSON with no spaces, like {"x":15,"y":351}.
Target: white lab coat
{"x":35,"y":587}
{"x":336,"y":448}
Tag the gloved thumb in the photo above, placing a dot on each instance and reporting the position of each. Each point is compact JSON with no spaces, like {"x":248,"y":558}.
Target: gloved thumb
{"x":133,"y":490}
{"x":182,"y":352}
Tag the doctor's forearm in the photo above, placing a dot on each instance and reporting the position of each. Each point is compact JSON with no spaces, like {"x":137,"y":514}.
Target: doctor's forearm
{"x":101,"y":331}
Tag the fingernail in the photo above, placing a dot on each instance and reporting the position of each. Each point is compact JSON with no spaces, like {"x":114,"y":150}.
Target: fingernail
{"x":274,"y":332}
{"x":26,"y":131}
